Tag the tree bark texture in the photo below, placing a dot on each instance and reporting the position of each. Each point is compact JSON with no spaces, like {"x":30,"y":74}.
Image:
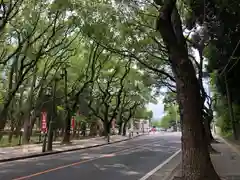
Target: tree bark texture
{"x":124,"y":128}
{"x":196,"y":161}
{"x":67,"y":128}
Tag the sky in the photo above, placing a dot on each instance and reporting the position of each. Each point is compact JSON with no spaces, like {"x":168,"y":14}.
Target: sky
{"x":158,"y":109}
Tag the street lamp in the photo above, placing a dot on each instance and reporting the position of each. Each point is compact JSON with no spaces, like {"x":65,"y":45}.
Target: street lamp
{"x":48,"y":94}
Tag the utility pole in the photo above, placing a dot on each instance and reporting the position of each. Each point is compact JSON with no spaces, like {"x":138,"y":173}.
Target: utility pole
{"x":232,"y":117}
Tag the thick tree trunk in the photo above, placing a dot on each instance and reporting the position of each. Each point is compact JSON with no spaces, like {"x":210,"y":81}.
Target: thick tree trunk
{"x":207,"y":134}
{"x":3,"y":121}
{"x":196,"y":163}
{"x":26,"y":127}
{"x":67,"y":129}
{"x":208,"y":130}
{"x":106,"y":128}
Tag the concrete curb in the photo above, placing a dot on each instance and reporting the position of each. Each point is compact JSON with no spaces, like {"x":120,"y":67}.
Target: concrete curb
{"x":62,"y":151}
{"x":174,"y":172}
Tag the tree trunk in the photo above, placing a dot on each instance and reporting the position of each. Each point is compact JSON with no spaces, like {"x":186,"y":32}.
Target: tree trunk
{"x":17,"y":131}
{"x":3,"y":120}
{"x":207,"y":125}
{"x":196,"y":163}
{"x":78,"y":133}
{"x":67,"y":131}
{"x":93,"y":128}
{"x":106,"y":128}
{"x":26,"y":127}
{"x":231,"y":113}
{"x":74,"y":132}
{"x":27,"y":122}
{"x":11,"y":134}
{"x":120,"y":128}
{"x":33,"y":122}
{"x":124,"y":129}
{"x":208,"y":135}
{"x":83,"y":128}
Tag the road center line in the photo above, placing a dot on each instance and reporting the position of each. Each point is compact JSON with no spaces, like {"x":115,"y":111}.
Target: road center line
{"x":81,"y":162}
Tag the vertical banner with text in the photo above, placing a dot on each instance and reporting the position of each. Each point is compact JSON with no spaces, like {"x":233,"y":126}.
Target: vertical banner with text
{"x":73,"y":122}
{"x":44,"y":121}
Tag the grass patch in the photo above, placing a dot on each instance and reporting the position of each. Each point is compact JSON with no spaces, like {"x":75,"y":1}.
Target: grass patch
{"x":16,"y":140}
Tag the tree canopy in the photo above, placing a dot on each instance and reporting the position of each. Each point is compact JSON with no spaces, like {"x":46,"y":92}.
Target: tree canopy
{"x":105,"y":60}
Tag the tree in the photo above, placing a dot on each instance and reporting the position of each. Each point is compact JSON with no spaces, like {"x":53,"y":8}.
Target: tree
{"x":171,"y":117}
{"x":194,"y":150}
{"x":157,"y":123}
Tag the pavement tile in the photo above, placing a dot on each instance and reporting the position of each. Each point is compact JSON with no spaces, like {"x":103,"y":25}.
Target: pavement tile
{"x":227,"y":162}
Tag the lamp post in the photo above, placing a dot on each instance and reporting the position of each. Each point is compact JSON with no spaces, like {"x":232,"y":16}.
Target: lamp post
{"x":50,"y":132}
{"x":48,"y":94}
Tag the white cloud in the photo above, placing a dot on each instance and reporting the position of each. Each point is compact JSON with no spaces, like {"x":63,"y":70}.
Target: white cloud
{"x":158,"y":109}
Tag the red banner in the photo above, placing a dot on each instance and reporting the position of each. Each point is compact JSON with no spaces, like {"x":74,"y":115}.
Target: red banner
{"x":44,"y":121}
{"x":73,"y":122}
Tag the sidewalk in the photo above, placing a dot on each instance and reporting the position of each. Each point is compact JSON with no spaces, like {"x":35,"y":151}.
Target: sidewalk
{"x":226,"y":163}
{"x":34,"y":150}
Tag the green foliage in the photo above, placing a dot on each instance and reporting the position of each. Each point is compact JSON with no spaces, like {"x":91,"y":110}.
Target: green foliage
{"x":167,"y":122}
{"x":143,"y":113}
{"x":156,"y":123}
{"x":170,"y":117}
{"x":97,"y":63}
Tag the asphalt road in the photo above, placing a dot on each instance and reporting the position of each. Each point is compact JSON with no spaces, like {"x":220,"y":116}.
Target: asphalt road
{"x":129,"y":160}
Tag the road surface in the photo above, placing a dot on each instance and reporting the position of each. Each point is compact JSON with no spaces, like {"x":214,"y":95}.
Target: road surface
{"x":129,"y":160}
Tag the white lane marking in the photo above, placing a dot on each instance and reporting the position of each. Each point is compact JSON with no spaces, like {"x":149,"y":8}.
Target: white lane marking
{"x":159,"y":166}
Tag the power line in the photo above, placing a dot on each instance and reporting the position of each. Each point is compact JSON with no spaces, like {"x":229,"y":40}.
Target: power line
{"x":230,"y":58}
